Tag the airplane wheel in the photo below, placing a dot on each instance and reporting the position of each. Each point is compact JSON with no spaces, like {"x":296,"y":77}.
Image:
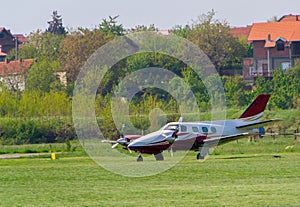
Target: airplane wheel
{"x":199,"y":157}
{"x":139,"y":158}
{"x":159,"y":157}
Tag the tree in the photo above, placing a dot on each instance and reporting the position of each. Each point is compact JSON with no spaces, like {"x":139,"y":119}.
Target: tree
{"x":41,"y":76}
{"x":77,"y":47}
{"x":55,"y":26}
{"x":110,"y":27}
{"x":273,"y":19}
{"x":214,"y":38}
{"x":236,"y":95}
{"x":140,"y":28}
{"x":181,"y":31}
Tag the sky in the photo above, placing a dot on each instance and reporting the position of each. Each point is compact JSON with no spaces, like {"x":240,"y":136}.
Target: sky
{"x":27,"y":16}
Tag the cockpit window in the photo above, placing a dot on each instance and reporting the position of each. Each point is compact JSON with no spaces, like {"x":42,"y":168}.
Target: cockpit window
{"x":171,"y":127}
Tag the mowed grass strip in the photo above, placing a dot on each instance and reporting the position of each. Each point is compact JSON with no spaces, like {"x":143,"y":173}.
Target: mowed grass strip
{"x":225,"y":179}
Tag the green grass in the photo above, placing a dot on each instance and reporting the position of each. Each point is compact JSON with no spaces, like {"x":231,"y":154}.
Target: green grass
{"x":39,"y":148}
{"x":238,"y":174}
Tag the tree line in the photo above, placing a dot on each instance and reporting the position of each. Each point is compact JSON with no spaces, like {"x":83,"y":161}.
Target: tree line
{"x":57,"y":49}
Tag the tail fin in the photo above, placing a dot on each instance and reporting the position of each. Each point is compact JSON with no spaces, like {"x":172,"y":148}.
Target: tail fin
{"x":257,"y":106}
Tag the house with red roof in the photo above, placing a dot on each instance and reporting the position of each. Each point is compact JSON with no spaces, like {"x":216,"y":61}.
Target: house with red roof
{"x":241,"y":32}
{"x":275,"y":45}
{"x":13,"y":73}
{"x":8,"y":41}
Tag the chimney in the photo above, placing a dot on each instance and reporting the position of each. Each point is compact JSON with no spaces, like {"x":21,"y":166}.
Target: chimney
{"x":269,"y":37}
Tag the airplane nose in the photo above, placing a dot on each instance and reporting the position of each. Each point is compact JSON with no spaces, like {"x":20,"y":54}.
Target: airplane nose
{"x":122,"y":141}
{"x":134,"y":144}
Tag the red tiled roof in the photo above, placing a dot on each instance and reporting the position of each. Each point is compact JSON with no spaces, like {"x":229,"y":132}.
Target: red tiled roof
{"x":21,"y":37}
{"x":270,"y":44}
{"x":287,"y":30}
{"x":241,"y":32}
{"x":15,"y":67}
{"x":2,"y":53}
{"x":289,"y":17}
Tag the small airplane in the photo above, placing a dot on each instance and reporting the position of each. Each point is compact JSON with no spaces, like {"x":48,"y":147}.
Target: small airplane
{"x":198,"y":136}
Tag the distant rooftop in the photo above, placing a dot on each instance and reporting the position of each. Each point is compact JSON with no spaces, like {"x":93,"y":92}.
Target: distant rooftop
{"x":15,"y":67}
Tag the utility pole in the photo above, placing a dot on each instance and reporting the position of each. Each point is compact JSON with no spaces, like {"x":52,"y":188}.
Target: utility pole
{"x":16,"y":47}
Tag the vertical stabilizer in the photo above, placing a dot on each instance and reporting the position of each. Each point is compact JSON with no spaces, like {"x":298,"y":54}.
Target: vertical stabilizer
{"x":257,"y":106}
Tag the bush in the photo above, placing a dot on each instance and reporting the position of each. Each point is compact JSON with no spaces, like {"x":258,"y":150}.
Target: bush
{"x":35,"y":131}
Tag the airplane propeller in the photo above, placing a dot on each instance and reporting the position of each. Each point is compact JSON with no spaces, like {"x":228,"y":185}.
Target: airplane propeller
{"x":115,"y":145}
{"x":121,"y":137}
{"x":174,"y":136}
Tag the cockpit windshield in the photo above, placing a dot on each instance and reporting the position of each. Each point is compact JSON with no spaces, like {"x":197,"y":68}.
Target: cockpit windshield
{"x":171,"y":127}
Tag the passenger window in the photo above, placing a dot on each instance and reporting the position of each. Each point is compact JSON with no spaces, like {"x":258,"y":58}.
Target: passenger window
{"x":195,"y":129}
{"x":213,"y":129}
{"x":183,"y":128}
{"x":205,"y":129}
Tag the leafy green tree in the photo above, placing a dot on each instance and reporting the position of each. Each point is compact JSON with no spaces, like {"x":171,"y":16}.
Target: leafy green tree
{"x":26,"y":51}
{"x":181,"y":31}
{"x":236,"y":95}
{"x":77,"y":47}
{"x":41,"y":76}
{"x":110,"y":26}
{"x":140,"y":28}
{"x":214,"y":38}
{"x":8,"y":102}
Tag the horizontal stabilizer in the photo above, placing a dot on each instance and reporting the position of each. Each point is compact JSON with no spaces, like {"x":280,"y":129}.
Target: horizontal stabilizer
{"x":258,"y":124}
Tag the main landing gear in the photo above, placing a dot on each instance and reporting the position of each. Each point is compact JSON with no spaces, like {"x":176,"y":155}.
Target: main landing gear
{"x":200,"y":157}
{"x":139,"y":158}
{"x":158,"y":157}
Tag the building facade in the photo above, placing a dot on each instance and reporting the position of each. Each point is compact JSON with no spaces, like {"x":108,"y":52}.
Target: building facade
{"x":275,"y":45}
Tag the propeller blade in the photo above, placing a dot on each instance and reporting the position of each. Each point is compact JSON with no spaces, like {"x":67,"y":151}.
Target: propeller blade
{"x":129,"y":150}
{"x":115,"y":145}
{"x":171,"y":152}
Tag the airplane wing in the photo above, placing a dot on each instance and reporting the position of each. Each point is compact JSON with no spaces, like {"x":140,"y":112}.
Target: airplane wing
{"x":213,"y":142}
{"x":224,"y":139}
{"x":258,"y":124}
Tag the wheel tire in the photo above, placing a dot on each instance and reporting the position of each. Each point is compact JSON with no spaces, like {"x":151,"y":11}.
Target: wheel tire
{"x":140,"y":158}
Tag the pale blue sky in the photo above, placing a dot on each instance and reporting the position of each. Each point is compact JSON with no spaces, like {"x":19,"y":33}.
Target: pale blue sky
{"x":30,"y":15}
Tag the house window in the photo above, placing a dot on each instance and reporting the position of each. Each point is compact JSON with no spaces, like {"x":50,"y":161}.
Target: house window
{"x":1,"y":35}
{"x":280,"y":45}
{"x":265,"y":70}
{"x":285,"y":65}
{"x":251,"y":69}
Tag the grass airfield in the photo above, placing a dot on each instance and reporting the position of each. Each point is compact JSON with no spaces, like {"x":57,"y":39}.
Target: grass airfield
{"x":237,"y":174}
